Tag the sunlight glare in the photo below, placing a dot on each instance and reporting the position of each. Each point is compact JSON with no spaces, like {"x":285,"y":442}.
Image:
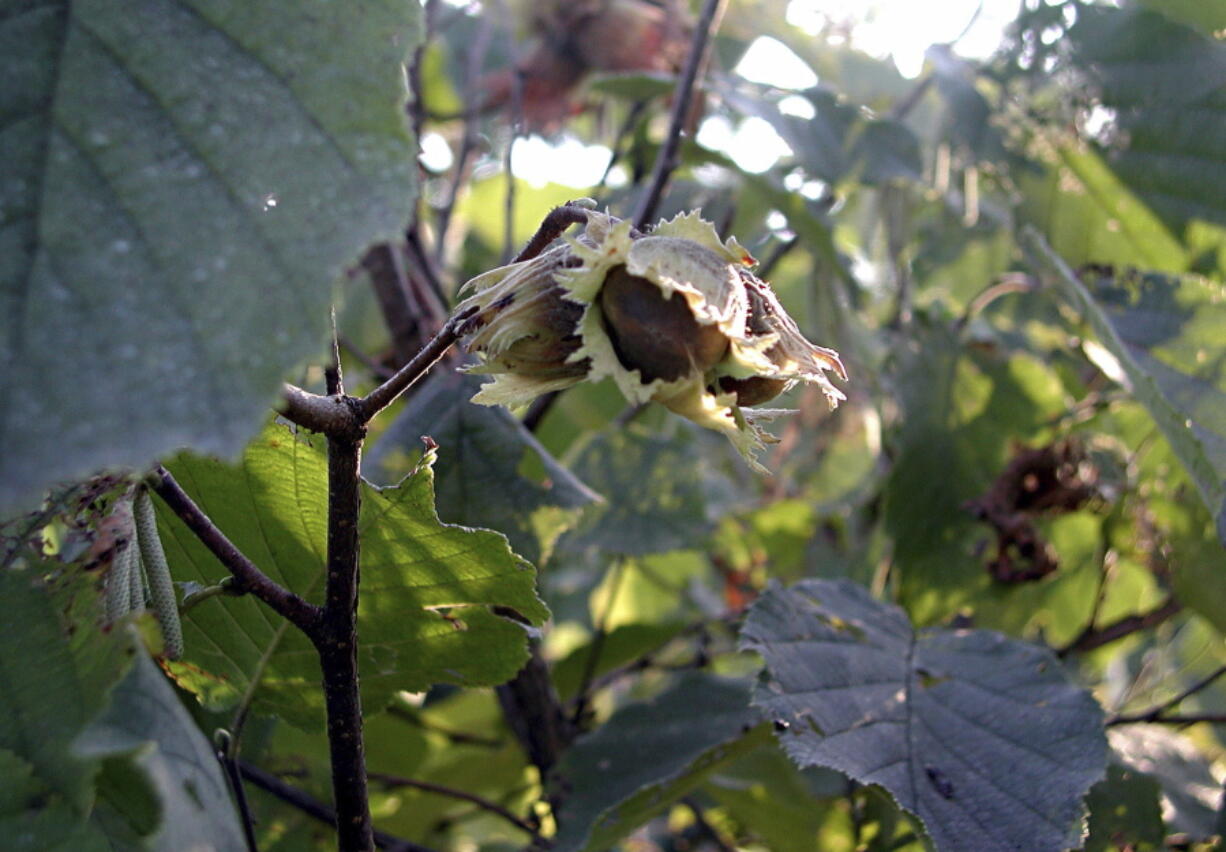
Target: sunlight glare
{"x":905,"y":29}
{"x":569,"y":162}
{"x":770,"y":62}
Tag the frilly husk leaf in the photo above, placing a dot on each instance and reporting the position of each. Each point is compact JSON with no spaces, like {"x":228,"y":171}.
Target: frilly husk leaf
{"x":684,"y":255}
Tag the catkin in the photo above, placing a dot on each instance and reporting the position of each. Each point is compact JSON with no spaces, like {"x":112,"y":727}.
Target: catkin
{"x":119,"y":583}
{"x":157,"y":575}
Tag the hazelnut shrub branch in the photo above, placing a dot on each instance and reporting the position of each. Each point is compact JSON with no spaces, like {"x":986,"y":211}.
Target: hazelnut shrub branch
{"x":332,"y":628}
{"x":528,"y":700}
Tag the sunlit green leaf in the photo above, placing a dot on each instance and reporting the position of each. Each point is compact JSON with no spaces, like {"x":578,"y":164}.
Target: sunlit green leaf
{"x":479,"y":479}
{"x":425,"y":587}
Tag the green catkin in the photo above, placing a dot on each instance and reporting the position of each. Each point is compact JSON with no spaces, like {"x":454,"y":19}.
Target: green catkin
{"x":157,"y":575}
{"x":119,"y":583}
{"x":137,"y":579}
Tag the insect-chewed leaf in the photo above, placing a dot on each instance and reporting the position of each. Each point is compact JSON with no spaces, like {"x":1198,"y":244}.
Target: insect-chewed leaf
{"x":981,"y":736}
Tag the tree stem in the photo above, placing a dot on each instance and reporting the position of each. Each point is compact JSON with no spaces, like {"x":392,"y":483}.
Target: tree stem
{"x":666,"y":160}
{"x":337,"y":643}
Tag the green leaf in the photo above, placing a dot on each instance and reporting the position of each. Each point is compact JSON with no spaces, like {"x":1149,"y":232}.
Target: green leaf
{"x":482,"y":450}
{"x":184,"y":184}
{"x":53,"y":682}
{"x":1166,"y":334}
{"x":423,"y":614}
{"x":1209,"y":16}
{"x":634,"y":86}
{"x":661,"y":493}
{"x":982,"y":737}
{"x":147,"y":722}
{"x":1125,"y":811}
{"x":1165,"y":83}
{"x":649,"y":755}
{"x":51,"y":687}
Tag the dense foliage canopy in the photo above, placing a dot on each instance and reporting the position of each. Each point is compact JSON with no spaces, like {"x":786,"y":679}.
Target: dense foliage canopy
{"x":979,"y":605}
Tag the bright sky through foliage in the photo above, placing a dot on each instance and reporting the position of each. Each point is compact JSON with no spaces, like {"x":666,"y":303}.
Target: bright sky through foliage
{"x":902,"y":29}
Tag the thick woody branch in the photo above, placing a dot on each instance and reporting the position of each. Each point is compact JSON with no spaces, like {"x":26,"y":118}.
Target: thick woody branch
{"x":249,"y":578}
{"x":327,"y":414}
{"x":337,"y":644}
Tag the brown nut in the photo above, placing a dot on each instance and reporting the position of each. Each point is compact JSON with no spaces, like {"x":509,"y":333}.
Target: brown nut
{"x":659,"y":337}
{"x":753,"y":390}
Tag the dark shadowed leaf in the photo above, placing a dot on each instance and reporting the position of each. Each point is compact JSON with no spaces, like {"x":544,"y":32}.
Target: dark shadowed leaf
{"x":1124,"y":809}
{"x":147,"y":722}
{"x":1166,"y":334}
{"x":53,"y":683}
{"x":482,"y":450}
{"x":184,"y":182}
{"x":661,"y":493}
{"x":984,"y":738}
{"x":425,"y":592}
{"x":648,"y":756}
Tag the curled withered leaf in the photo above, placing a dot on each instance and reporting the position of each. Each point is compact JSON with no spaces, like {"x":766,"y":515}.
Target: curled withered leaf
{"x":675,"y":317}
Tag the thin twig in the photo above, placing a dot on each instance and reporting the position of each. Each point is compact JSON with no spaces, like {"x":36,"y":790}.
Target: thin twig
{"x":632,"y":118}
{"x":456,"y":737}
{"x":1011,"y":283}
{"x":312,"y":807}
{"x":1096,"y":637}
{"x":517,"y":123}
{"x":707,"y":830}
{"x":477,"y":50}
{"x":666,"y":159}
{"x":1181,"y":720}
{"x":781,"y":251}
{"x":1154,"y":714}
{"x":392,"y":781}
{"x":597,"y":647}
{"x":303,"y":615}
{"x":553,"y":225}
{"x":223,"y":749}
{"x":384,"y":395}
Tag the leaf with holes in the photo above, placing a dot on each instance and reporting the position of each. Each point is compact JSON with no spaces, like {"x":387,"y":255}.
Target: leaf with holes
{"x":183,"y":184}
{"x":1164,"y":335}
{"x":983,"y":738}
{"x":424,"y":602}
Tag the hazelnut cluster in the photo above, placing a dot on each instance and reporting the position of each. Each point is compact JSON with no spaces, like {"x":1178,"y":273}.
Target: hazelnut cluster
{"x":675,"y":316}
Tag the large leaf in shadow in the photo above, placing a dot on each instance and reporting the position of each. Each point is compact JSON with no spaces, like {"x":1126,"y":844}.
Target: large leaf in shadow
{"x":648,"y":756}
{"x":423,"y":614}
{"x":1166,"y":334}
{"x":482,"y":450}
{"x":982,"y":737}
{"x":664,"y":490}
{"x":184,"y":182}
{"x":147,"y":722}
